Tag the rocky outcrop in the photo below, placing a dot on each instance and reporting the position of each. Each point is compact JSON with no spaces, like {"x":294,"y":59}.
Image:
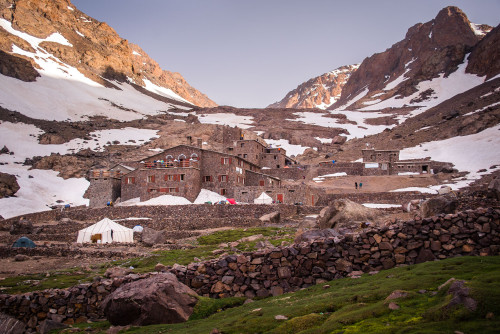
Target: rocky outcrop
{"x":160,"y":299}
{"x":438,"y":205}
{"x":428,"y":50}
{"x":150,"y":237}
{"x":17,"y":67}
{"x":96,"y":49}
{"x":8,"y":185}
{"x":345,"y":214}
{"x":318,"y":92}
{"x":484,"y":60}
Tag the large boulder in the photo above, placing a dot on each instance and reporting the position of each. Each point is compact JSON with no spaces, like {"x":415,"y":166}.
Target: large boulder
{"x":271,"y":218}
{"x":494,"y":188}
{"x":438,"y":205}
{"x":159,"y":299}
{"x":8,"y":185}
{"x":345,"y":214}
{"x":21,"y":226}
{"x":10,"y":325}
{"x":152,"y":237}
{"x":311,"y":235}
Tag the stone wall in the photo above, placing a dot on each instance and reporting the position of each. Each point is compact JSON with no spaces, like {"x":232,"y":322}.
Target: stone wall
{"x":365,"y":197}
{"x":171,"y":219}
{"x":278,"y":270}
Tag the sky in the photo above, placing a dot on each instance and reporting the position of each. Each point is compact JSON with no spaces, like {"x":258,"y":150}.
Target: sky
{"x":252,"y":53}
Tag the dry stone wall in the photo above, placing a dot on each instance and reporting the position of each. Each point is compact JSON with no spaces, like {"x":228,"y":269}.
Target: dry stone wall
{"x":279,"y":270}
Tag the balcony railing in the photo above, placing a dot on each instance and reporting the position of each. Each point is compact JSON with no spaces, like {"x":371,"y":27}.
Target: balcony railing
{"x":173,"y":164}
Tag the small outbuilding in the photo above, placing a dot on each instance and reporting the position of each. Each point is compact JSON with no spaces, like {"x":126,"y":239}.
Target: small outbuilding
{"x":24,"y":242}
{"x":263,"y":199}
{"x":106,"y":231}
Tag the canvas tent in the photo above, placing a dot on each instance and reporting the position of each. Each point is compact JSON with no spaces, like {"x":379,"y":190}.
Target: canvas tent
{"x":24,"y":242}
{"x":263,"y":199}
{"x":105,"y":231}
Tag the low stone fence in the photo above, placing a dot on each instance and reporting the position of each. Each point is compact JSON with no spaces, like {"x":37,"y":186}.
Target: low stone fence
{"x":73,"y":305}
{"x":157,"y":213}
{"x":368,"y":197}
{"x":278,"y":270}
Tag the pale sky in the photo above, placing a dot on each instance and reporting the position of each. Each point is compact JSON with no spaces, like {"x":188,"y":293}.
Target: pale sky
{"x":251,"y":53}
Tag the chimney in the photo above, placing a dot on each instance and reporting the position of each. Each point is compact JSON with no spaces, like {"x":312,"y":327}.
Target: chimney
{"x":200,"y":142}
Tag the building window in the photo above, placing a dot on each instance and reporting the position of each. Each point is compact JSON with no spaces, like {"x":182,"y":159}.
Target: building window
{"x":275,"y":157}
{"x":182,"y":177}
{"x":130,"y":180}
{"x":151,"y":178}
{"x":223,"y":192}
{"x":208,"y":178}
{"x":222,"y":178}
{"x":242,"y":144}
{"x":173,"y":190}
{"x":245,"y":156}
{"x":152,"y":190}
{"x":261,"y":183}
{"x":225,"y":161}
{"x":169,"y":177}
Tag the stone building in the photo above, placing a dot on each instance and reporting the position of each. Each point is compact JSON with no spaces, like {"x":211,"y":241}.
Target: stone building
{"x":259,"y":153}
{"x":386,"y":162}
{"x":182,"y":171}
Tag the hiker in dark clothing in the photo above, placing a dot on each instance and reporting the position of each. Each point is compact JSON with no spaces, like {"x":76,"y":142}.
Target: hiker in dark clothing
{"x":360,"y":185}
{"x":356,"y":185}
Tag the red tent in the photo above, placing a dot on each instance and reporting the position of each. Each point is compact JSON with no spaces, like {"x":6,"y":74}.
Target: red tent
{"x":231,"y":200}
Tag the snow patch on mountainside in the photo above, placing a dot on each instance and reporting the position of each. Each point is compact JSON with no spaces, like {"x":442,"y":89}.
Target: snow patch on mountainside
{"x":355,"y":130}
{"x":229,"y":119}
{"x":291,"y":149}
{"x":468,"y":153}
{"x":41,"y":189}
{"x":44,"y":188}
{"x":73,"y":96}
{"x":442,"y":88}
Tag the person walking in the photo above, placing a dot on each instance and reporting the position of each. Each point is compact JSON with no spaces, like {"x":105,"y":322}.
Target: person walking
{"x":360,"y":185}
{"x":356,"y":185}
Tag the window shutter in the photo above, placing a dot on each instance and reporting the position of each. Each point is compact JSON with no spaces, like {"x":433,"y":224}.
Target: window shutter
{"x":133,"y":180}
{"x":176,"y":190}
{"x":166,"y":177}
{"x":261,"y":183}
{"x":222,"y":161}
{"x":219,"y":178}
{"x":152,"y":178}
{"x":229,"y":160}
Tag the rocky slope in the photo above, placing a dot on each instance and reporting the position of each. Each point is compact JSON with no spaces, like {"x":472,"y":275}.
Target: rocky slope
{"x":72,"y":39}
{"x":319,"y":92}
{"x":429,"y":50}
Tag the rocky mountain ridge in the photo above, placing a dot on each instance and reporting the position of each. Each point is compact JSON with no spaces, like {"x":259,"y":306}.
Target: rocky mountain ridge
{"x":429,"y":50}
{"x":319,"y":92}
{"x":77,"y":40}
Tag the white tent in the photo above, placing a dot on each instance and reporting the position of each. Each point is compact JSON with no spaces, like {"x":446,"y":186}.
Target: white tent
{"x":263,"y":199}
{"x":106,"y":231}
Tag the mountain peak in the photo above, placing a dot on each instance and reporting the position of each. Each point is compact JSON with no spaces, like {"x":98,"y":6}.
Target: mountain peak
{"x":319,"y":92}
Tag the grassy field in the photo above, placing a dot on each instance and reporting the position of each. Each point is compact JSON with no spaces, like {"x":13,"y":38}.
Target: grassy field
{"x":358,"y":305}
{"x":202,"y":249}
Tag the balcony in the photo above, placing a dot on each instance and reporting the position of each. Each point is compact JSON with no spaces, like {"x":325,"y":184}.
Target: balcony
{"x":172,"y":164}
